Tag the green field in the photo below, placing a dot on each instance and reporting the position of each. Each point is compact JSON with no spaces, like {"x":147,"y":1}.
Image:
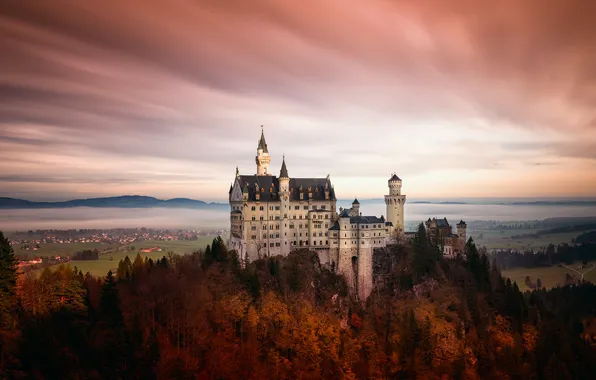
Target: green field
{"x":106,"y":262}
{"x":495,"y":239}
{"x":57,"y":249}
{"x":549,"y":276}
{"x":176,"y":246}
{"x":110,"y":260}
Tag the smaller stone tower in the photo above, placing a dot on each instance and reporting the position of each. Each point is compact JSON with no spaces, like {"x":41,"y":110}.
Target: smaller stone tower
{"x":284,"y":197}
{"x":395,"y":205}
{"x":262,"y":159}
{"x":461,"y":235}
{"x":356,"y":207}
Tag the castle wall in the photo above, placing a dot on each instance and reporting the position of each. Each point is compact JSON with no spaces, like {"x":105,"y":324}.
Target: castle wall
{"x":346,"y":267}
{"x":365,"y":272}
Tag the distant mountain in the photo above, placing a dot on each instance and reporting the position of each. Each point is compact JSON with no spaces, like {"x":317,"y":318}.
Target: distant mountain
{"x":124,"y":201}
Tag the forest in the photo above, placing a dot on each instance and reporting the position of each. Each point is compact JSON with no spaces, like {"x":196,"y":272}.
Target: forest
{"x":208,"y":316}
{"x":563,"y":253}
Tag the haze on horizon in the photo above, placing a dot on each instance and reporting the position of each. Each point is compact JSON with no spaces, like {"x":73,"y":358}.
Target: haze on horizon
{"x":165,"y":98}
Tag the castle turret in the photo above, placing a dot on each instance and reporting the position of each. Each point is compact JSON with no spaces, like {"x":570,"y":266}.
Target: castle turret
{"x":284,"y":197}
{"x":356,"y":206}
{"x":395,"y":205}
{"x":461,"y":235}
{"x":262,"y":159}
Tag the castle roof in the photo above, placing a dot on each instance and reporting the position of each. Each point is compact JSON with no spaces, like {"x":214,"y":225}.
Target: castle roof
{"x":394,"y":177}
{"x":355,"y":201}
{"x":262,"y":143}
{"x":441,"y":223}
{"x":335,"y":227}
{"x":284,"y":170}
{"x":270,"y":187}
{"x":461,"y":223}
{"x":366,"y":220}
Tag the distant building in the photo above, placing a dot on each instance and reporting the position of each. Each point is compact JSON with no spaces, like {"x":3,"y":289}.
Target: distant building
{"x":273,"y":215}
{"x":441,"y":232}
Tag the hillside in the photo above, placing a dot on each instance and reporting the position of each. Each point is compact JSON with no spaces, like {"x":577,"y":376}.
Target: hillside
{"x":124,"y":201}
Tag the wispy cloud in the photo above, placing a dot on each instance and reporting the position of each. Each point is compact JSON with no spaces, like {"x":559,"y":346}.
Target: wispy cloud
{"x":165,"y":97}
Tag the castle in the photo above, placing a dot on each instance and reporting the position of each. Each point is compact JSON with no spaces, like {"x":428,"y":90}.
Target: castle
{"x":441,"y":232}
{"x":274,"y":215}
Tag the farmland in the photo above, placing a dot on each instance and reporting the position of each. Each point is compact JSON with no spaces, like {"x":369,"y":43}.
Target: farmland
{"x":549,"y":276}
{"x":59,"y":249}
{"x":110,"y":260}
{"x":514,"y":239}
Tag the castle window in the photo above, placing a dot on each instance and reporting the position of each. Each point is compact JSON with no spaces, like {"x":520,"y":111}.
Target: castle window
{"x":277,"y":207}
{"x":296,"y":207}
{"x":254,"y":237}
{"x":321,"y":242}
{"x":253,"y":208}
{"x":323,"y":207}
{"x":261,"y":217}
{"x":260,"y":208}
{"x":326,"y":242}
{"x":314,"y":242}
{"x":306,"y":207}
{"x":253,"y":218}
{"x":300,"y":217}
{"x":253,"y":228}
{"x":326,"y":216}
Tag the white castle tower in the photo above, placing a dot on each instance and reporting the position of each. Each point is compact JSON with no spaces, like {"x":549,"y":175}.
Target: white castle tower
{"x":262,"y":159}
{"x":395,"y":205}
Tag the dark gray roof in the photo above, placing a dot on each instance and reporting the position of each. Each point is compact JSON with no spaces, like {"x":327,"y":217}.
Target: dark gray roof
{"x":461,"y":223}
{"x":262,"y":143}
{"x":230,"y":192}
{"x":389,"y":224}
{"x":335,"y":227}
{"x":284,"y":171}
{"x":345,"y":213}
{"x":442,"y":223}
{"x":270,"y":187}
{"x":355,"y":201}
{"x":394,"y":177}
{"x":365,"y":220}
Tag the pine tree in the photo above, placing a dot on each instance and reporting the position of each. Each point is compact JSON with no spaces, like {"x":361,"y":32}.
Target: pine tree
{"x":426,"y":344}
{"x":426,"y":254}
{"x":111,"y":327}
{"x":8,"y":284}
{"x":138,"y":266}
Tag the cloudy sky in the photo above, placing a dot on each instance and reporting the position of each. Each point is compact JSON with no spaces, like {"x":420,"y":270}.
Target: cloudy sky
{"x":461,"y":98}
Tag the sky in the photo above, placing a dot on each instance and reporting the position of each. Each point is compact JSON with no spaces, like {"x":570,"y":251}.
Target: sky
{"x":463,"y":98}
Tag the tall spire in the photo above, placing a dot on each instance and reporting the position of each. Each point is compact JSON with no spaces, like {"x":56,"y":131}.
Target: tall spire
{"x":284,"y":170}
{"x":262,"y":143}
